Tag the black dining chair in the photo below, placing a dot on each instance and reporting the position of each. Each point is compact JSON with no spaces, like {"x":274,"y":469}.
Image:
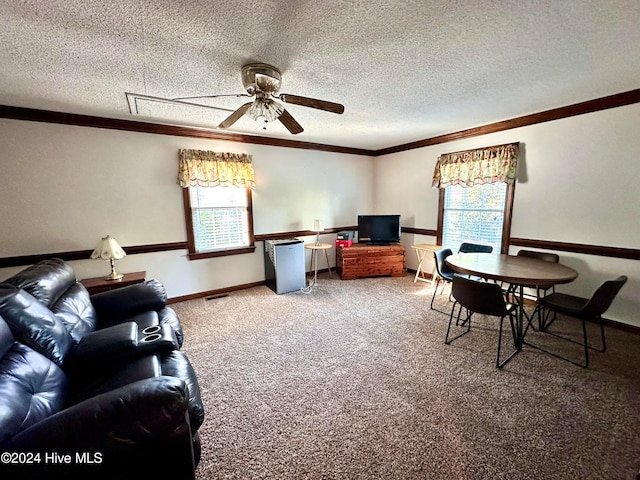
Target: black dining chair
{"x":486,"y":299}
{"x":467,"y":247}
{"x":584,"y":309}
{"x":443,"y":272}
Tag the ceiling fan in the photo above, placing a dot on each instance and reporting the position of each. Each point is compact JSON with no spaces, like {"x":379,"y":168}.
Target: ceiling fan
{"x":263,"y":81}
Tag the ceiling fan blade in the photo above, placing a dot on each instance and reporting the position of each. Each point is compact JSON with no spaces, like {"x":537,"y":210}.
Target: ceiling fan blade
{"x":213,"y":96}
{"x":235,"y":116}
{"x":288,"y":121}
{"x":312,"y":102}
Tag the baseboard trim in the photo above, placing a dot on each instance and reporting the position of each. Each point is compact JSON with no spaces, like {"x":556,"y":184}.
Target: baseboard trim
{"x":234,"y":288}
{"x":625,"y":327}
{"x":212,"y":293}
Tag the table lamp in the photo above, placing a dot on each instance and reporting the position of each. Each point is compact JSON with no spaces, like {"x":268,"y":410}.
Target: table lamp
{"x":108,"y":249}
{"x":316,"y":227}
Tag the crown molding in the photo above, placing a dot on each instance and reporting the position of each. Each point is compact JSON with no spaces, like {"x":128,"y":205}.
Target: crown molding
{"x":604,"y":103}
{"x":47,"y":116}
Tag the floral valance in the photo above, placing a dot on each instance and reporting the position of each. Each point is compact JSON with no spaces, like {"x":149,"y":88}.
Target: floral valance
{"x":475,"y":167}
{"x":213,"y":169}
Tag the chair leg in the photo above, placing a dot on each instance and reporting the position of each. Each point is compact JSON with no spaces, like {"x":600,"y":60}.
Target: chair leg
{"x":446,"y":337}
{"x":530,"y":322}
{"x":546,"y":323}
{"x":467,"y":321}
{"x":531,"y":319}
{"x":586,"y":343}
{"x":435,"y":290}
{"x":510,"y":294}
{"x":540,"y":312}
{"x":513,"y":321}
{"x":499,"y":343}
{"x":604,"y":343}
{"x":500,"y":364}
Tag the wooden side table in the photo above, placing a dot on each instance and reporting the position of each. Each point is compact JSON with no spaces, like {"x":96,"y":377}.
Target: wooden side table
{"x":421,"y":250}
{"x":99,"y":284}
{"x":314,"y":257}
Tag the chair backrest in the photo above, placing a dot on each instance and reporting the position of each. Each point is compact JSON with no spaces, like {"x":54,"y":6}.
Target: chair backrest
{"x":475,"y":248}
{"x":33,"y":324}
{"x":441,"y":265}
{"x":481,"y":297}
{"x":603,"y":297}
{"x":53,"y":283}
{"x":46,"y":280}
{"x":544,"y":256}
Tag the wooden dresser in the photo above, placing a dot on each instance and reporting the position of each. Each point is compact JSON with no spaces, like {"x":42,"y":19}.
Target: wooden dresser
{"x":363,"y":260}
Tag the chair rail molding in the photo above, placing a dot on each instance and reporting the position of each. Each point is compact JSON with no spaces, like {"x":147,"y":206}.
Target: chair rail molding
{"x":604,"y":251}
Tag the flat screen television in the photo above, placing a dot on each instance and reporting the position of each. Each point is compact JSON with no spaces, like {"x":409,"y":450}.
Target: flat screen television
{"x":379,"y":229}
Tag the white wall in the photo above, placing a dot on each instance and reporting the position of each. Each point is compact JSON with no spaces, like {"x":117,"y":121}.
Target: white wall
{"x":64,"y":187}
{"x":577,"y":183}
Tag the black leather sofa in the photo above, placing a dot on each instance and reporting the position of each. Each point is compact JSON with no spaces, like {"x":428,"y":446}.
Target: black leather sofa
{"x":93,"y":386}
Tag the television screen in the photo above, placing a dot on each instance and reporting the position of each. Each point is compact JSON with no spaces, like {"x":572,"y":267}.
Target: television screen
{"x":379,"y":229}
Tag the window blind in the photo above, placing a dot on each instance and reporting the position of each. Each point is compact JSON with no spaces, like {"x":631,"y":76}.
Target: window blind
{"x":220,"y":217}
{"x":474,"y":214}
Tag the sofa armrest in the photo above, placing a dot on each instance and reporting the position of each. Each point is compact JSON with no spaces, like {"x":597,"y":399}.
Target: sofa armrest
{"x":106,"y":343}
{"x":119,"y":344}
{"x":112,"y":433}
{"x":116,"y":305}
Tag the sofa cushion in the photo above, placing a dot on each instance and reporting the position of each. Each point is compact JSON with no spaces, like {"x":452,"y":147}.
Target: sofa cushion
{"x":34,"y":324}
{"x":33,"y":387}
{"x":6,"y":338}
{"x":76,"y":311}
{"x":144,"y":319}
{"x":46,"y":280}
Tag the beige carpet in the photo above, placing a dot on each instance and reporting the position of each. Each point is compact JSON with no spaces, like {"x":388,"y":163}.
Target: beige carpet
{"x":353,"y":381}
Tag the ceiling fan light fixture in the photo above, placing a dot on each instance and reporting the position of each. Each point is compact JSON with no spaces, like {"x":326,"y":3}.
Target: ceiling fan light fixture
{"x":263,"y":82}
{"x":265,"y":108}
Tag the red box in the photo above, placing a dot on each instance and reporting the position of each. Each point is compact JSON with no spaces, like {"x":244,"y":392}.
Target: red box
{"x":343,"y":243}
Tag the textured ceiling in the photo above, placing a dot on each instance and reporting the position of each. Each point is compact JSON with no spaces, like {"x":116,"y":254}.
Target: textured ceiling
{"x":404,"y":70}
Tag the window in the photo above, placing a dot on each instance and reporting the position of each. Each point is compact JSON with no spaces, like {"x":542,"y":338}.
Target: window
{"x":479,"y":214}
{"x":219,"y":221}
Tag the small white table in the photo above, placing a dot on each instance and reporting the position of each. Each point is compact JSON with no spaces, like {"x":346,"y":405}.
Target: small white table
{"x":315,"y":248}
{"x":421,"y":250}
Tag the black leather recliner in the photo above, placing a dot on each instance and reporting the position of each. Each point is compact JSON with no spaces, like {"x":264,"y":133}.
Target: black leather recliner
{"x":93,"y":385}
{"x":53,"y":282}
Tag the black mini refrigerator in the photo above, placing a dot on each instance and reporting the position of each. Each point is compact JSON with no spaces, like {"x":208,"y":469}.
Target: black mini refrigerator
{"x":284,"y":265}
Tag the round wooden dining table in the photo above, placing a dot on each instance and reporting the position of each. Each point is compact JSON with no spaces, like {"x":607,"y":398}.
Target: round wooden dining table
{"x":517,"y":270}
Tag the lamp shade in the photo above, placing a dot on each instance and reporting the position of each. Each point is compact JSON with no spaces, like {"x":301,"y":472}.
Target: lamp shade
{"x":315,"y":226}
{"x":108,"y":249}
